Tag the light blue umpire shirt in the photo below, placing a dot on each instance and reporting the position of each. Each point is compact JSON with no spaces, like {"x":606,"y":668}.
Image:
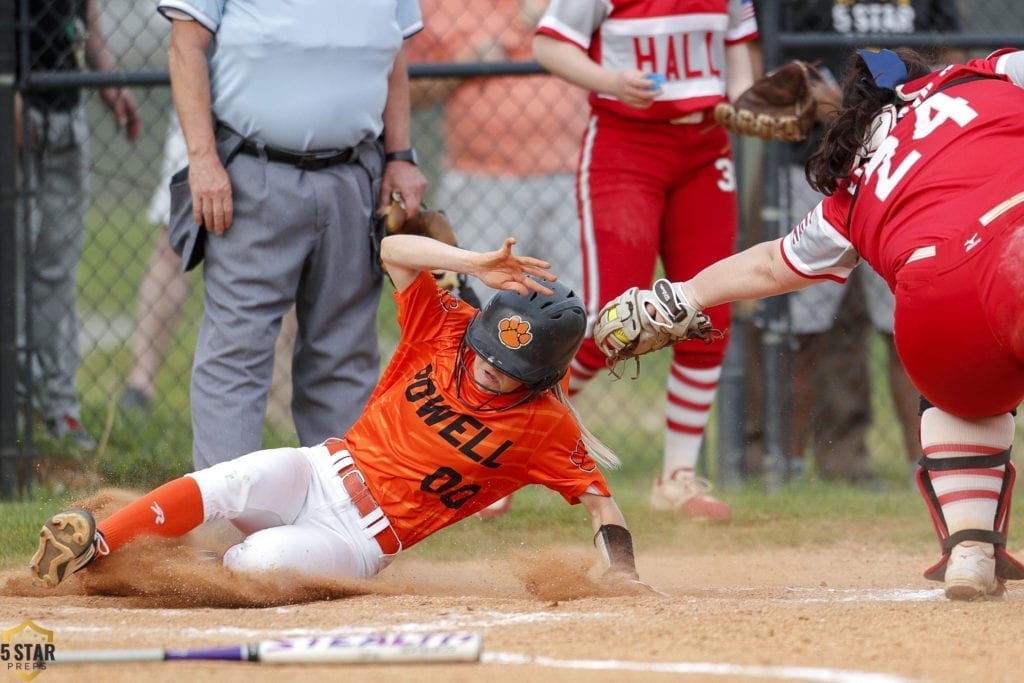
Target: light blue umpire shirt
{"x":301,"y":76}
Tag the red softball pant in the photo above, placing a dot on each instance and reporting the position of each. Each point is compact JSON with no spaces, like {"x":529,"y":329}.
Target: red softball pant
{"x":960,"y":322}
{"x":650,"y":190}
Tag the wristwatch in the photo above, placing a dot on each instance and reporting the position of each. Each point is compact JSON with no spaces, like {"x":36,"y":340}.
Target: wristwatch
{"x":403,"y":155}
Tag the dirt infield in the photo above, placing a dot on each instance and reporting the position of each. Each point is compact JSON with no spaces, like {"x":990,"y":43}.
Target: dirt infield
{"x":845,"y":613}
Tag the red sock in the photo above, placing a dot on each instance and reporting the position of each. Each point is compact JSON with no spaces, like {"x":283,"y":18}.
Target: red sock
{"x":171,"y":510}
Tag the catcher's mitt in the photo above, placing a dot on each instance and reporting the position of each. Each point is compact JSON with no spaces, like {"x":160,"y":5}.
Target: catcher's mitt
{"x":429,"y":223}
{"x":780,"y":106}
{"x":626,"y":329}
{"x":433,"y":224}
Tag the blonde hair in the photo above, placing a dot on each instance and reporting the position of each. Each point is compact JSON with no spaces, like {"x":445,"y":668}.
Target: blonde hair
{"x":604,"y":456}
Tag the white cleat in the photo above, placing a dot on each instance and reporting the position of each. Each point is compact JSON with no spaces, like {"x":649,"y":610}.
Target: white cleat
{"x":689,"y":497}
{"x":971,"y":572}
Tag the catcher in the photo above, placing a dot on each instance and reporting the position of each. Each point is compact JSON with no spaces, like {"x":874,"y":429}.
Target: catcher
{"x":905,"y":140}
{"x":468,"y":411}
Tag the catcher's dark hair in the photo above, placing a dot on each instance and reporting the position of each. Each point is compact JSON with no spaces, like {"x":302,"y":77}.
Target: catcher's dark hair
{"x":833,"y":160}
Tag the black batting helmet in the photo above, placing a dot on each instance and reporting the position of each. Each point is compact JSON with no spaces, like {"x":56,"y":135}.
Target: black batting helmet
{"x":530,"y":338}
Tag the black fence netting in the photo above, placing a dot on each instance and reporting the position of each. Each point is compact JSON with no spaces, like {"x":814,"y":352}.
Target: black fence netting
{"x":105,"y":326}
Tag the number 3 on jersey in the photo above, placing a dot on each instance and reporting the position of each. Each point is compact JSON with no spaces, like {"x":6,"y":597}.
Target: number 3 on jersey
{"x":727,"y":182}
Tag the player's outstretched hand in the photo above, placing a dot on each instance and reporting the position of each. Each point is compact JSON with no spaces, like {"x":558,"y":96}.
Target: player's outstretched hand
{"x":502,"y":269}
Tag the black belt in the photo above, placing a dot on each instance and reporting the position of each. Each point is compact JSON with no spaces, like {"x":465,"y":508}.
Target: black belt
{"x":312,"y":161}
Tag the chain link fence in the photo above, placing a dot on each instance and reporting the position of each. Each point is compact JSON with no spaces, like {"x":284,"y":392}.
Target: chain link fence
{"x":498,"y":141}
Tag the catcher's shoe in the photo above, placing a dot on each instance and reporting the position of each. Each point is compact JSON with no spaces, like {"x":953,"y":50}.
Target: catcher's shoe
{"x":688,"y":496}
{"x":971,"y":572}
{"x":69,"y":541}
{"x":496,"y":509}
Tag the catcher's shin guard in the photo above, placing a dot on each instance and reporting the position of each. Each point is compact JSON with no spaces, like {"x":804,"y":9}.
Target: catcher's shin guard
{"x":1007,"y":567}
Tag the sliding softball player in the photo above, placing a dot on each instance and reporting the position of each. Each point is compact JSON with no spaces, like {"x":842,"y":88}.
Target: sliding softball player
{"x":469,"y":410}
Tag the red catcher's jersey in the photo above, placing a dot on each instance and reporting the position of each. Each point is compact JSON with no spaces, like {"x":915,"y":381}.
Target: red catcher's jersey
{"x":943,"y":167}
{"x":428,"y":458}
{"x":683,"y":41}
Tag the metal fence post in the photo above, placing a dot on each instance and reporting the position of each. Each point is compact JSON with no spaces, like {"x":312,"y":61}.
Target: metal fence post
{"x":8,"y":281}
{"x":732,"y":398}
{"x":775,"y":338}
{"x":732,"y":391}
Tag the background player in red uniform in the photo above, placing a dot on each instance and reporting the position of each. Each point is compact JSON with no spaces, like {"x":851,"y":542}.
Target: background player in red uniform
{"x":656,"y":180}
{"x":924,"y":180}
{"x":468,"y":410}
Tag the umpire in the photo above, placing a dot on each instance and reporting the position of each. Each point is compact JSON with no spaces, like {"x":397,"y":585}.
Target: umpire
{"x":279,"y":196}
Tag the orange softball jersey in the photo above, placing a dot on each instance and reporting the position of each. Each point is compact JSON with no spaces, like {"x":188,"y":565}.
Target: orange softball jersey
{"x":429,"y":458}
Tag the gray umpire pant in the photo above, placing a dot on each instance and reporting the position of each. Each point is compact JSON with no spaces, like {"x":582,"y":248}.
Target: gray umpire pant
{"x":299,"y":237}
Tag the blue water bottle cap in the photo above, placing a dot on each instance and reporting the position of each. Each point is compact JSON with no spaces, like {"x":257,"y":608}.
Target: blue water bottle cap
{"x":657,"y":80}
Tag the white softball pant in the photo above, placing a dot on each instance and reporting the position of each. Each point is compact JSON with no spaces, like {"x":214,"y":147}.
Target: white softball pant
{"x":295,"y":512}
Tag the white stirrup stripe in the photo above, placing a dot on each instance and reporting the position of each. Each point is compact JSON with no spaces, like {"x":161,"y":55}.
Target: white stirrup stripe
{"x":589,"y":246}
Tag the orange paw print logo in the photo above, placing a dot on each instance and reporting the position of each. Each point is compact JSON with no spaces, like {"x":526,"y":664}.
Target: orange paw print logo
{"x":514,"y":332}
{"x":581,"y":458}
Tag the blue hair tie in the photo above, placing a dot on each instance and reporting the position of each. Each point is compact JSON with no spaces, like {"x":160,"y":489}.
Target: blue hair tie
{"x":886,"y":67}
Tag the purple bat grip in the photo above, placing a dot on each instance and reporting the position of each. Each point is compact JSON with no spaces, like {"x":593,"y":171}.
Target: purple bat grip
{"x":231,"y":653}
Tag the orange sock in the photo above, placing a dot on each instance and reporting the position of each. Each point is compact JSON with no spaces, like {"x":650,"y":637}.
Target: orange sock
{"x":170,"y":510}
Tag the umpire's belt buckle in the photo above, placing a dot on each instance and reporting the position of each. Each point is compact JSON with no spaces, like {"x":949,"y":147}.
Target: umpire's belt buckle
{"x":315,"y":162}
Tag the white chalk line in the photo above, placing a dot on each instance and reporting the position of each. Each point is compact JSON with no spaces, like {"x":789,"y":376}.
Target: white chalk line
{"x":861,"y":595}
{"x":801,"y":594}
{"x":478,"y":620}
{"x":789,"y":673}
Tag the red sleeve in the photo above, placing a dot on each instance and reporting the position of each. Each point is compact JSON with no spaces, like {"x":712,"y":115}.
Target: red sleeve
{"x":552,"y":33}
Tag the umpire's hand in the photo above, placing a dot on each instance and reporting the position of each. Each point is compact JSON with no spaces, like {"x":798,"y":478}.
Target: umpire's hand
{"x":405,"y":178}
